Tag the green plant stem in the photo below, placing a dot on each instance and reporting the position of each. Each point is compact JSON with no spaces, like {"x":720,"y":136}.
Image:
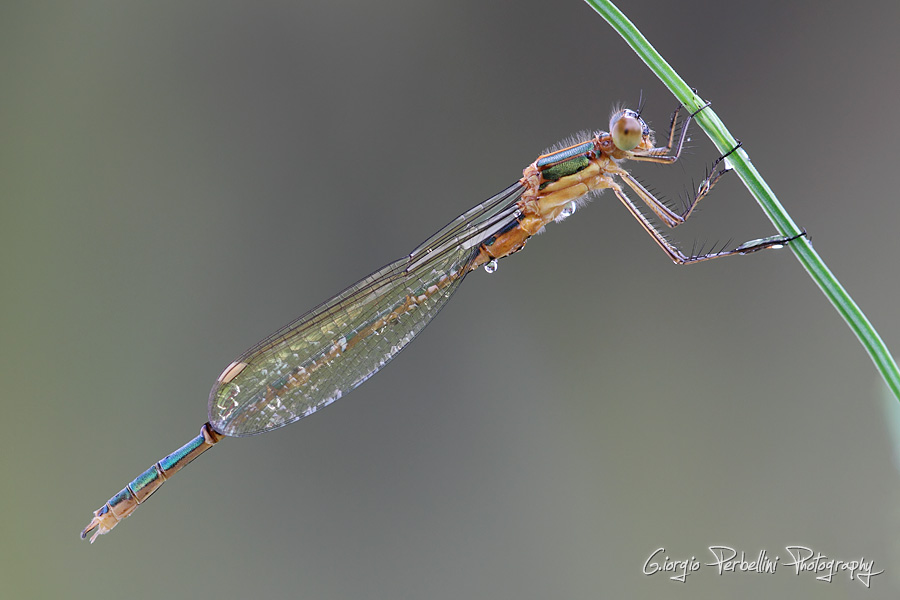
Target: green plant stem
{"x":724,"y":141}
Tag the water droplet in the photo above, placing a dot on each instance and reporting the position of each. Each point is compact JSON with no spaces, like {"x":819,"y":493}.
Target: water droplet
{"x":491,"y":266}
{"x":568,"y":211}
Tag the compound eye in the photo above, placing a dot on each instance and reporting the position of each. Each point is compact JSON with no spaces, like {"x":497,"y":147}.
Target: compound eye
{"x":627,"y":130}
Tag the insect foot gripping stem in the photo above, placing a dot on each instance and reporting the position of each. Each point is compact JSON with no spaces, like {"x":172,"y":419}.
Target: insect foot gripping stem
{"x":774,"y":241}
{"x":135,"y":493}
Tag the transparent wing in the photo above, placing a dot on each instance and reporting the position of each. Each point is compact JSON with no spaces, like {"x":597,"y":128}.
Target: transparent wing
{"x":333,"y":348}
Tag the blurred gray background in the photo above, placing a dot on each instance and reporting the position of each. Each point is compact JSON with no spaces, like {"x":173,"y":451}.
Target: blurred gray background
{"x":180,"y":179}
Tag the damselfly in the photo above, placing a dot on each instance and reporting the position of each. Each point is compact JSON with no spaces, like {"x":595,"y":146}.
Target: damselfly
{"x":336,"y":346}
